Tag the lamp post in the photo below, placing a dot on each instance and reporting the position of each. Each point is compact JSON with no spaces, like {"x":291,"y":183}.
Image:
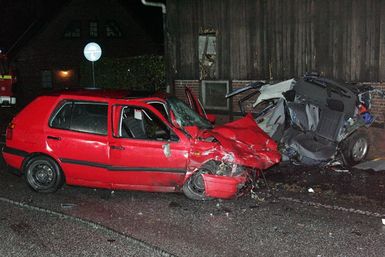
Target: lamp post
{"x":92,"y":52}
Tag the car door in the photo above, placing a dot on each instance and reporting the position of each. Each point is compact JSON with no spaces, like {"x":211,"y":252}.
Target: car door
{"x":146,"y":153}
{"x":197,"y":106}
{"x":77,"y":136}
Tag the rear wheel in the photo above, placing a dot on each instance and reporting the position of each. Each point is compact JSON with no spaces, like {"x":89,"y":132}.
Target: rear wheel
{"x":43,"y":174}
{"x":356,"y":148}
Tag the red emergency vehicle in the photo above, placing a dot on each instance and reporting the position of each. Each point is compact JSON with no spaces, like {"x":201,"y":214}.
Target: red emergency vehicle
{"x":7,"y":81}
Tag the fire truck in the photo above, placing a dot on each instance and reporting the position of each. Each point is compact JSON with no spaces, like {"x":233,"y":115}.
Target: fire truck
{"x":7,"y":81}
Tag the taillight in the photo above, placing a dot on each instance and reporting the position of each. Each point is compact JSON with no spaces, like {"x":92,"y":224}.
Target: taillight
{"x":9,"y":131}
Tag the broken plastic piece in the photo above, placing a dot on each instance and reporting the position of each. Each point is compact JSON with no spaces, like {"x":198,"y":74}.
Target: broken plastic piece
{"x":221,"y":186}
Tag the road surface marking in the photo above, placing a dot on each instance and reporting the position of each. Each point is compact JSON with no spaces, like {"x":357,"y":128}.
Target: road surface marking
{"x":332,"y":207}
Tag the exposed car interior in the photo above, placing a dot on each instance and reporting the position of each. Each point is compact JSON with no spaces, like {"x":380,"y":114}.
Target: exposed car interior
{"x":138,"y":123}
{"x":315,"y":119}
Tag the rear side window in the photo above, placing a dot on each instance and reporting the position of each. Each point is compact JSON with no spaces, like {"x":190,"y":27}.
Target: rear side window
{"x":89,"y":117}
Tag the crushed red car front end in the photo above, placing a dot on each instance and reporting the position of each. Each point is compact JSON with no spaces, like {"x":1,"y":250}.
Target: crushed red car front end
{"x":237,"y":152}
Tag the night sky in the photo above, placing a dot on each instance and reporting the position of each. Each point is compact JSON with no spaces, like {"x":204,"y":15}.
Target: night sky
{"x":17,"y":15}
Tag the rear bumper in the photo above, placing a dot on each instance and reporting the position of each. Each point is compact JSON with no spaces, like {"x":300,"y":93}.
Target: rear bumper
{"x":222,"y":186}
{"x":13,"y":157}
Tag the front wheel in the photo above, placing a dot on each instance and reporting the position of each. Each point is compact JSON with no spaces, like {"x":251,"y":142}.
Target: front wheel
{"x":194,"y":187}
{"x":356,"y":148}
{"x":43,"y":174}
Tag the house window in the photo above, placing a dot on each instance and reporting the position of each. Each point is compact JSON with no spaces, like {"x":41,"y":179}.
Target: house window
{"x":208,"y":55}
{"x":46,"y":79}
{"x":93,"y":29}
{"x":73,"y":30}
{"x":113,"y":29}
{"x":213,"y":95}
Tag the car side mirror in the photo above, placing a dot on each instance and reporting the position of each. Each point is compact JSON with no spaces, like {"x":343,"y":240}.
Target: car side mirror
{"x":193,"y":131}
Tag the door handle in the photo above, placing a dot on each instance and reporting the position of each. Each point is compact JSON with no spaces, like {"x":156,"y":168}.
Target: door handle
{"x":117,"y":147}
{"x":54,"y":138}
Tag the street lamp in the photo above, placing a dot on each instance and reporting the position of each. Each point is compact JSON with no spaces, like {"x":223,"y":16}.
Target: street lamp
{"x":92,"y":52}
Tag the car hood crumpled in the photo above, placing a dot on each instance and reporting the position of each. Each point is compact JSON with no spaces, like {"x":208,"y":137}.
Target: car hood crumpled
{"x":245,"y":143}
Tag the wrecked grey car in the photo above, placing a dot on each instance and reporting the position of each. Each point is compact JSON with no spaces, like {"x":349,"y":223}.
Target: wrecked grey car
{"x":315,"y":120}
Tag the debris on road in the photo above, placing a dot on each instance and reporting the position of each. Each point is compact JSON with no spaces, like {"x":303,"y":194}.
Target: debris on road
{"x":376,"y":165}
{"x":310,"y":190}
{"x":255,"y":196}
{"x":68,"y":205}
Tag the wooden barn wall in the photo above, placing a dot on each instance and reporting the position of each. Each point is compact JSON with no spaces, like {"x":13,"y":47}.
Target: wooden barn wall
{"x":278,"y":39}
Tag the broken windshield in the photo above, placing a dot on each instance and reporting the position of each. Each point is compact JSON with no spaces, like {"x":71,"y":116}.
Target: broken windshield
{"x":185,"y":116}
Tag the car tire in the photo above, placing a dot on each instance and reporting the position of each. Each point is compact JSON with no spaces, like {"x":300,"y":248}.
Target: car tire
{"x":194,"y":187}
{"x":355,"y":148}
{"x":43,"y":174}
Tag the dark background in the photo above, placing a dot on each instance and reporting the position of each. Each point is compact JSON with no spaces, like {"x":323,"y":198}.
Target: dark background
{"x":17,"y":15}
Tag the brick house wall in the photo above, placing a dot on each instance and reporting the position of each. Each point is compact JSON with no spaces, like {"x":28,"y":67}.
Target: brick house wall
{"x":49,"y":50}
{"x":378,"y":104}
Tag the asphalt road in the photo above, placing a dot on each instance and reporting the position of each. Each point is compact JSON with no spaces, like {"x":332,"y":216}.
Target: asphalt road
{"x":26,"y":232}
{"x":88,"y":222}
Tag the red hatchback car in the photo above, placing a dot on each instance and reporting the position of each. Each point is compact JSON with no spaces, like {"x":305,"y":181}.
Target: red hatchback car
{"x":99,"y":138}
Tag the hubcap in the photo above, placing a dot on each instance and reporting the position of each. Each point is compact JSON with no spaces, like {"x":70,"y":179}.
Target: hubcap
{"x":359,"y":149}
{"x":41,"y":174}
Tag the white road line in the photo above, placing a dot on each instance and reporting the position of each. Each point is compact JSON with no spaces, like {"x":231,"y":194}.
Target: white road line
{"x":327,"y":206}
{"x":332,"y":207}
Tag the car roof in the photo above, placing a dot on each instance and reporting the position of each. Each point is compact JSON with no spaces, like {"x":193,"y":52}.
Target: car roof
{"x":100,"y":93}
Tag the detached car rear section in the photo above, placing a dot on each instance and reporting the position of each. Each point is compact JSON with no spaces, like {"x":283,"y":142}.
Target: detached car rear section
{"x":103,"y":140}
{"x":317,"y":121}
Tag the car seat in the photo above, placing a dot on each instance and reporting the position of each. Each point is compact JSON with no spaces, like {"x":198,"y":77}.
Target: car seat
{"x":320,"y":145}
{"x":134,"y":128}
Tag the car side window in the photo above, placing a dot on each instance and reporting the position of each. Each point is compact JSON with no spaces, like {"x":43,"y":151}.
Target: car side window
{"x":139,"y":123}
{"x":161,"y":108}
{"x":62,"y":118}
{"x":89,"y":117}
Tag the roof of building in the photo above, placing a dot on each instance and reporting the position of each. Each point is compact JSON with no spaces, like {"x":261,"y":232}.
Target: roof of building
{"x":24,"y":27}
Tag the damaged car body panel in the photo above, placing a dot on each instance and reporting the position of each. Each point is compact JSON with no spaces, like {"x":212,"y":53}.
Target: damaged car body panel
{"x":238,"y":149}
{"x":315,"y":120}
{"x":99,"y":139}
{"x":237,"y":152}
